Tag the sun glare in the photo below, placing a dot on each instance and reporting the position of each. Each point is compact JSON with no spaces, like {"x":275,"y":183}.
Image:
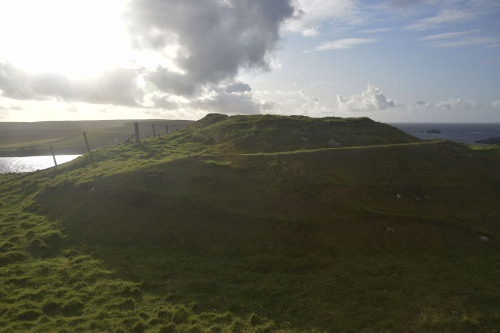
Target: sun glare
{"x":75,"y":38}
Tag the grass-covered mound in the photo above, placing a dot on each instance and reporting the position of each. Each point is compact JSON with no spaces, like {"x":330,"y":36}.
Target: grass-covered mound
{"x":181,"y":233}
{"x":262,"y":134}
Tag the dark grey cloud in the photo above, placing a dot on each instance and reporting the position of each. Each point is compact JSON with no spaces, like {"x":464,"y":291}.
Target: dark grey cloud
{"x":207,"y":44}
{"x":163,"y":101}
{"x":171,"y":82}
{"x":231,"y":99}
{"x":115,"y":86}
{"x":49,"y":84}
{"x":237,"y":87}
{"x":422,"y":104}
{"x":216,"y":38}
{"x":14,"y":82}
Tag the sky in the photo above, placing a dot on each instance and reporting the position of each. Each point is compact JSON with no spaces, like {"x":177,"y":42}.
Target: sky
{"x":390,"y":60}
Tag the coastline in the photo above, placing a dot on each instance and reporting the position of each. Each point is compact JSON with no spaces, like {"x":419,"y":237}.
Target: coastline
{"x":468,"y":133}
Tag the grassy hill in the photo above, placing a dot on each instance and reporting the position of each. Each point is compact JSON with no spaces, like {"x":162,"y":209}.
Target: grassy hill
{"x":257,"y":223}
{"x":262,"y":134}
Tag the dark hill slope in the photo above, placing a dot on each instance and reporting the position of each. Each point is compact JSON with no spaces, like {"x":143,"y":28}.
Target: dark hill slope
{"x":431,"y":193}
{"x":178,"y":190}
{"x":393,"y":237}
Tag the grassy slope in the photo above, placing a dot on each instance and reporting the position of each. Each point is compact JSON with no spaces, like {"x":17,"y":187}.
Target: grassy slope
{"x":181,"y":231}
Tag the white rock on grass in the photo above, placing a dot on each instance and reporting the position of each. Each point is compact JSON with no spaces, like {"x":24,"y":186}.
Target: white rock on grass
{"x":484,"y":238}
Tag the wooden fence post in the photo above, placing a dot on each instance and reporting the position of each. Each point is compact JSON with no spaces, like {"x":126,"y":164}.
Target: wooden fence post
{"x":88,"y":148}
{"x":136,"y":128}
{"x":53,"y":156}
{"x":166,"y":127}
{"x":154,"y":133}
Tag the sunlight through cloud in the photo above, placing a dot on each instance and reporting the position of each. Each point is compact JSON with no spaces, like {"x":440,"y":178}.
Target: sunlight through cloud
{"x":68,"y":37}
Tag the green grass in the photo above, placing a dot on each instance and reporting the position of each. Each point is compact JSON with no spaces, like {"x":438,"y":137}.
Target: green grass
{"x":180,"y":234}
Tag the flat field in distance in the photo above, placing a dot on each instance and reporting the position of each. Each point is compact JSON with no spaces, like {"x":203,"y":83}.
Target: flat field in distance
{"x":66,"y":137}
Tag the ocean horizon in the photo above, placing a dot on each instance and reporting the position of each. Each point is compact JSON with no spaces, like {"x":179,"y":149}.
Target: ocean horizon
{"x":459,"y":132}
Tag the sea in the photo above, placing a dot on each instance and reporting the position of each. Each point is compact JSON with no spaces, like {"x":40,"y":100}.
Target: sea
{"x":459,"y":132}
{"x":32,"y":163}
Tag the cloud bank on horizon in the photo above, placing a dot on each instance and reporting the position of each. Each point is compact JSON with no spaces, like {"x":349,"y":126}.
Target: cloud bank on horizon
{"x":428,"y":60}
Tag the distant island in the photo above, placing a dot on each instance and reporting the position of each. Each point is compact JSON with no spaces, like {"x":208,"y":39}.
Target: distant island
{"x":491,"y":141}
{"x":433,"y":131}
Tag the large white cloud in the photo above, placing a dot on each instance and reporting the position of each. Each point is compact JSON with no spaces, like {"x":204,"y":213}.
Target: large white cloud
{"x":207,"y":42}
{"x":115,"y":86}
{"x":372,"y":99}
{"x":181,"y":48}
{"x":457,"y":104}
{"x":297,"y":102}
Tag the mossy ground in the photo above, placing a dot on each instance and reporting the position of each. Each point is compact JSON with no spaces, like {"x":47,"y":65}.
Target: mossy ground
{"x":181,"y":234}
{"x":50,"y":284}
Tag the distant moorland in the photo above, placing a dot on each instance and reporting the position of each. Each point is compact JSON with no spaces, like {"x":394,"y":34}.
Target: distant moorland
{"x":66,"y":137}
{"x":256,"y":224}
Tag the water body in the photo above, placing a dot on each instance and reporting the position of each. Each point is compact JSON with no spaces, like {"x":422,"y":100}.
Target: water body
{"x":465,"y":133}
{"x":31,"y":163}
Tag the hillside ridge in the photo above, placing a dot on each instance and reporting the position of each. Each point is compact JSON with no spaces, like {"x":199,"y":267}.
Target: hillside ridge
{"x":272,"y":133}
{"x":239,"y":224}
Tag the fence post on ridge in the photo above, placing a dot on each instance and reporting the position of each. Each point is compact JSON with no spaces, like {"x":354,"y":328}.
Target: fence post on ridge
{"x":88,"y":148}
{"x":136,"y":129}
{"x":53,"y":156}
